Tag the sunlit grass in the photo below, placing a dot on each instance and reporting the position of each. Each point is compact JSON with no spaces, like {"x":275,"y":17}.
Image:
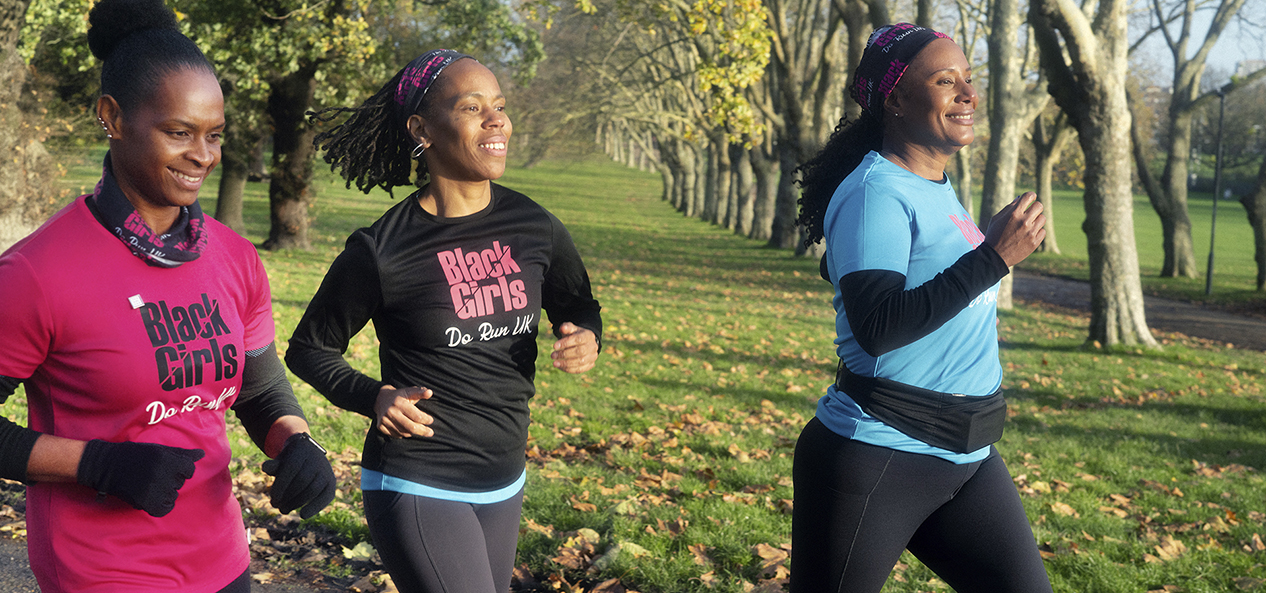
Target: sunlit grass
{"x":680,"y":441}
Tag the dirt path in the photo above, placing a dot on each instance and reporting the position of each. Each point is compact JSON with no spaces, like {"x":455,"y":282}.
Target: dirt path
{"x":1164,"y":314}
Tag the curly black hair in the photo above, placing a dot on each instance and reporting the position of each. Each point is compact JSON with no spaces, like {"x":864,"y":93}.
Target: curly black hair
{"x":138,"y":43}
{"x":848,"y":145}
{"x":371,"y":148}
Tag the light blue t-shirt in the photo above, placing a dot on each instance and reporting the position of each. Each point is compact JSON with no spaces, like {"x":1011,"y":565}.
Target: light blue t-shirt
{"x":883,"y":217}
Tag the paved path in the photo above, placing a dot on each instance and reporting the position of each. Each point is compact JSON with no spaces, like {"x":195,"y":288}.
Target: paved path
{"x":1163,"y":314}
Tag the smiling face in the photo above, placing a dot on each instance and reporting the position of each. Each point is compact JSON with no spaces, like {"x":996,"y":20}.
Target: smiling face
{"x":933,"y":107}
{"x":465,"y":127}
{"x":164,"y":148}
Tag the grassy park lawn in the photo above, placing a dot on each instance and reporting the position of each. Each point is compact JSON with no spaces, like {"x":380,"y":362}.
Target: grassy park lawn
{"x":668,"y":466}
{"x":1234,"y":271}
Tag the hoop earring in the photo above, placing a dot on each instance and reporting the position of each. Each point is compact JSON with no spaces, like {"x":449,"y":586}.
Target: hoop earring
{"x":417,"y":152}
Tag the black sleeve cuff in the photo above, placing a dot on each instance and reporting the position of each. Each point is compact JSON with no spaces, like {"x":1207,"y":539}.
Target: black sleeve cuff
{"x":16,"y":443}
{"x":266,"y":394}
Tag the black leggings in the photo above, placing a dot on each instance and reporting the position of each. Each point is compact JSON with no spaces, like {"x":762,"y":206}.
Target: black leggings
{"x":439,"y":546}
{"x":241,"y":584}
{"x":857,"y":506}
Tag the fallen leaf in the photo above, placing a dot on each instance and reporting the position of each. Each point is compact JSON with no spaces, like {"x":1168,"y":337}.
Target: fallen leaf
{"x":1170,"y":548}
{"x":609,"y":586}
{"x":1063,"y":509}
{"x":700,"y":553}
{"x":1248,"y":583}
{"x":362,"y":551}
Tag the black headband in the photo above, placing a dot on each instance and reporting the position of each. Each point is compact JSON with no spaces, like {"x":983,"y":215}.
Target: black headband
{"x":417,"y":77}
{"x":888,"y":53}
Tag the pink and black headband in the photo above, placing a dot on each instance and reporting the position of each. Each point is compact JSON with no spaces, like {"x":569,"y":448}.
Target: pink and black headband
{"x":417,"y":77}
{"x":888,"y":53}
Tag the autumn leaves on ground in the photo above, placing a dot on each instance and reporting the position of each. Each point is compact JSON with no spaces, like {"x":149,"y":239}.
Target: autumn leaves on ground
{"x":667,"y":467}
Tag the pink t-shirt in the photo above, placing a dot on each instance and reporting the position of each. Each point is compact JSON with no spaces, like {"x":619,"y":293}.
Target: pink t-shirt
{"x":117,"y":350}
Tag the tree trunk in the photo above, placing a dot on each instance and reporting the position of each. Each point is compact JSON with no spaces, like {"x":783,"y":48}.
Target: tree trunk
{"x":237,"y":153}
{"x":765,"y":170}
{"x":923,"y":13}
{"x":783,"y":234}
{"x":702,"y":163}
{"x":1091,"y":89}
{"x":689,"y":177}
{"x":290,"y":190}
{"x":1255,"y":206}
{"x":1049,"y":141}
{"x":962,"y":160}
{"x":721,"y":148}
{"x":1180,"y":253}
{"x":711,"y":181}
{"x":1010,"y":112}
{"x":26,"y":169}
{"x":1170,"y":202}
{"x":745,"y":190}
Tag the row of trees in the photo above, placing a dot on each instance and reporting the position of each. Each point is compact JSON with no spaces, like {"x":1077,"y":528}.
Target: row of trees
{"x":1054,"y":70}
{"x":276,"y":60}
{"x":724,"y":98}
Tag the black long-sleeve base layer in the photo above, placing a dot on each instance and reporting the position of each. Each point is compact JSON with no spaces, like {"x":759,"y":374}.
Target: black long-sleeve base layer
{"x":455,"y":304}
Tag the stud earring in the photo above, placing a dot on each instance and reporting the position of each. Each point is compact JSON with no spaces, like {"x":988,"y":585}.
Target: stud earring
{"x":103,"y":127}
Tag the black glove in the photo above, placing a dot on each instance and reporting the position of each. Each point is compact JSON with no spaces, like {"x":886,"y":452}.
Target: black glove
{"x":144,"y":475}
{"x":304,"y":476}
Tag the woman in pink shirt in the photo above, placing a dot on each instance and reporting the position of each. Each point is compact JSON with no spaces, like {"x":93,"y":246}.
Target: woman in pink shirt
{"x":135,"y":323}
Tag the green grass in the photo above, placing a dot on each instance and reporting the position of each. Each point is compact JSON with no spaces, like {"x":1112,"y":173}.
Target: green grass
{"x":680,"y":441}
{"x":1234,"y":271}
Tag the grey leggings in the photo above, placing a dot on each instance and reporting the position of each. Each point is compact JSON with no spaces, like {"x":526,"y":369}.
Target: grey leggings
{"x":857,"y":506}
{"x":440,"y":546}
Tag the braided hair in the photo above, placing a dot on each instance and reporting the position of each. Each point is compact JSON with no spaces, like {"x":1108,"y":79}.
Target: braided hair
{"x":372,"y":147}
{"x":139,"y":42}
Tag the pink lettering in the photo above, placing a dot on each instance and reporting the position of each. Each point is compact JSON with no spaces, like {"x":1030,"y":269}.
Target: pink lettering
{"x":969,"y":230}
{"x":464,"y":272}
{"x":475,"y":265}
{"x":452,"y":272}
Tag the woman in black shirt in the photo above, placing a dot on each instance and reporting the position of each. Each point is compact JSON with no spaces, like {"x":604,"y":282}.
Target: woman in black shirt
{"x":454,"y":278}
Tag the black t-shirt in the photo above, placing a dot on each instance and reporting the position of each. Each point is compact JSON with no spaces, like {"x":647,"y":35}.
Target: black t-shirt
{"x":455,"y":303}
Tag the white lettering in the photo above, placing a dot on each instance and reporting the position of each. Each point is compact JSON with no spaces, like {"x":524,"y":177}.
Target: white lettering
{"x":487,"y":332}
{"x":523,"y":324}
{"x":158,"y":411}
{"x":456,"y":337}
{"x":985,"y":298}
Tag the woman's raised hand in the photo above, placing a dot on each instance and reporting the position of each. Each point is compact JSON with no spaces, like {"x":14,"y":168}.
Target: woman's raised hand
{"x":1018,"y":229}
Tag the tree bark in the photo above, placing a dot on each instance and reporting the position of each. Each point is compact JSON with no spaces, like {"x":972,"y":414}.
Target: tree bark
{"x":765,"y":170}
{"x":237,"y":154}
{"x":26,"y":169}
{"x":745,"y":191}
{"x":962,"y":162}
{"x":721,"y":148}
{"x":1012,"y":109}
{"x":712,"y":175}
{"x":783,"y":234}
{"x":1255,"y":206}
{"x":1169,"y":196}
{"x":1091,"y":89}
{"x":1049,"y":140}
{"x":290,"y":190}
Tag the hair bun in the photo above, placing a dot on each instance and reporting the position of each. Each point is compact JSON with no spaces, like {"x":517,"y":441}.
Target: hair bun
{"x":112,"y":21}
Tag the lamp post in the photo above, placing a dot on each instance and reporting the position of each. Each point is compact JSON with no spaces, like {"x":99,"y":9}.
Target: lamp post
{"x":1217,"y":190}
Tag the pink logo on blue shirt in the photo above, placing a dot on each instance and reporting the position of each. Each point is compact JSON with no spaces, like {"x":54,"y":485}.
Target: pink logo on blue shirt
{"x":969,"y":229}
